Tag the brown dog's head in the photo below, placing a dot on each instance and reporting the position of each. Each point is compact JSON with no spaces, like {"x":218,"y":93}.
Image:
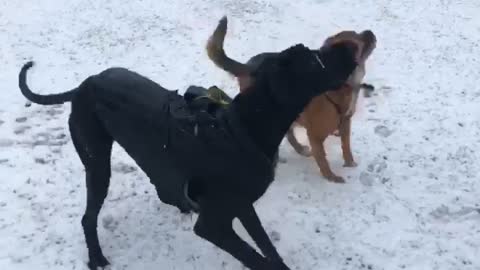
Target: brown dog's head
{"x":369,"y":43}
{"x":365,"y":40}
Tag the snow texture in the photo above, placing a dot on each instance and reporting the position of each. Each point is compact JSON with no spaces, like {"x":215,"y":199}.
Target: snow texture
{"x":412,"y":203}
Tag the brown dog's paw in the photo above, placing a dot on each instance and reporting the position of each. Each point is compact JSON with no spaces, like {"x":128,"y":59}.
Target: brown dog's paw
{"x":350,"y":164}
{"x":335,"y":179}
{"x":305,"y":151}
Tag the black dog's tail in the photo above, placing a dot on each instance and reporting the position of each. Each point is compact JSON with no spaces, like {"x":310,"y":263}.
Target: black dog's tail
{"x":217,"y":54}
{"x":41,"y":99}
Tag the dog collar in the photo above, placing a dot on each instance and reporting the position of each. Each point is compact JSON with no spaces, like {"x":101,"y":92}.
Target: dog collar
{"x":319,"y":60}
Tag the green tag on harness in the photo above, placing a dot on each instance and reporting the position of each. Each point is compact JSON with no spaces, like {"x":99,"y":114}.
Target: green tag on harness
{"x":217,"y":95}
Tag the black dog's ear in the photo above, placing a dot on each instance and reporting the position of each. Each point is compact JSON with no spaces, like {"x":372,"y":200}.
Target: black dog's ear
{"x":289,"y":71}
{"x":285,"y":57}
{"x":285,"y":73}
{"x":347,"y":50}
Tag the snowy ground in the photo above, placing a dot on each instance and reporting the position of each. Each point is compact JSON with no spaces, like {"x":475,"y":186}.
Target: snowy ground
{"x":412,"y":203}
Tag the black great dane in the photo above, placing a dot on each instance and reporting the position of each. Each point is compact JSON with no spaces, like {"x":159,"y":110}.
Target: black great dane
{"x":176,"y":145}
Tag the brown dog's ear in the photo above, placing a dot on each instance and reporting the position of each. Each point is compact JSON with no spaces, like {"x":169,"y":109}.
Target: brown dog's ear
{"x":370,"y":43}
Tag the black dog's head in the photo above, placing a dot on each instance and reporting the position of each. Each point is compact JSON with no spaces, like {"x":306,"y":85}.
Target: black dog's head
{"x":298,"y":74}
{"x":339,"y":61}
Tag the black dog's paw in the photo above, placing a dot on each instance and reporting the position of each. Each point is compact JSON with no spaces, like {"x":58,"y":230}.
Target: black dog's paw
{"x":277,"y":264}
{"x":100,"y":262}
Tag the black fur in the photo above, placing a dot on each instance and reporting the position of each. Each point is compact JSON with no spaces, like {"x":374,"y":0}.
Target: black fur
{"x":218,"y":166}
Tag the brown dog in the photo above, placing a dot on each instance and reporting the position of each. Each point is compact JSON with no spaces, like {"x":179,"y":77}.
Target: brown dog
{"x":334,"y":109}
{"x":326,"y":113}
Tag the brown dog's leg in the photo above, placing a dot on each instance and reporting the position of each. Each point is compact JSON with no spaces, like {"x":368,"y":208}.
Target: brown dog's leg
{"x":299,"y":148}
{"x":345,"y":131}
{"x":321,"y":159}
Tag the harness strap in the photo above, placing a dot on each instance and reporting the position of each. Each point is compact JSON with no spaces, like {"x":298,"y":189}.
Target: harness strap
{"x":337,"y":107}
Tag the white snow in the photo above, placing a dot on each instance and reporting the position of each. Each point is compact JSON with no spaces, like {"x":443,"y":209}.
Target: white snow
{"x":412,"y":203}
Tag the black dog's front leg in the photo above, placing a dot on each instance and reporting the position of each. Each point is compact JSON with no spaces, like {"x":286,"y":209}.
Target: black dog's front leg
{"x":249,"y":218}
{"x":215,"y":226}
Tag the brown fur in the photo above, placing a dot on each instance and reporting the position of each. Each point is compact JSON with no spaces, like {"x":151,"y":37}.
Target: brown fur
{"x":323,"y":115}
{"x":326,"y":113}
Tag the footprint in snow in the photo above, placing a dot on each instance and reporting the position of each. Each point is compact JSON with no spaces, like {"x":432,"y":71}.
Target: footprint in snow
{"x":109,"y":223}
{"x":443,"y":212}
{"x":383,"y":131}
{"x":21,"y":129}
{"x":55,"y":110}
{"x":6,"y":142}
{"x":367,"y":179}
{"x":375,"y":170}
{"x":22,"y":119}
{"x":377,"y":166}
{"x":123,"y":168}
{"x":47,"y":138}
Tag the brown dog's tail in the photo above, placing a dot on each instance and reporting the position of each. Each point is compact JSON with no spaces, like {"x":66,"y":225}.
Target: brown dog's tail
{"x":217,"y":54}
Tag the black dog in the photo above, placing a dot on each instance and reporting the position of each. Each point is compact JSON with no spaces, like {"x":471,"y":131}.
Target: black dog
{"x":176,"y":146}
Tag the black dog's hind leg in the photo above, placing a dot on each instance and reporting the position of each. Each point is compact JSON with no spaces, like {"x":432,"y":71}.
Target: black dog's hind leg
{"x":249,"y":219}
{"x":93,"y":145}
{"x":214,"y":224}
